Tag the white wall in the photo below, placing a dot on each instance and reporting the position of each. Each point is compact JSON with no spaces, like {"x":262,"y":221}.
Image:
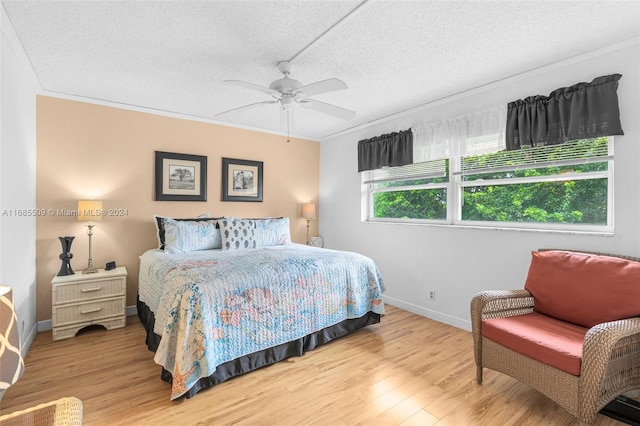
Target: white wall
{"x":18,"y":180}
{"x":456,"y":262}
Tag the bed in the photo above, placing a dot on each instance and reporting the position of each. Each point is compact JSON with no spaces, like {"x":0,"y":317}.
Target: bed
{"x":212,"y":314}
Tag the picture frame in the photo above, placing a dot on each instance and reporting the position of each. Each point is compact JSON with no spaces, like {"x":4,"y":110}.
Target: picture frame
{"x":242,"y":180}
{"x":180,"y":177}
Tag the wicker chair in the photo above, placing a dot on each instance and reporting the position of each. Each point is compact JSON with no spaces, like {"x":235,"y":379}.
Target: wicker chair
{"x":610,"y":362}
{"x":62,"y":412}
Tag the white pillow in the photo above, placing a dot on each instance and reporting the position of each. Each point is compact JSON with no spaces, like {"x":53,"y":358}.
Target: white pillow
{"x":159,"y":222}
{"x":273,"y":231}
{"x":184,"y":236}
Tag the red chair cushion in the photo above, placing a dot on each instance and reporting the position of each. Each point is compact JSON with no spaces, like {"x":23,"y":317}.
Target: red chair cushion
{"x":545,"y":339}
{"x":584,"y":289}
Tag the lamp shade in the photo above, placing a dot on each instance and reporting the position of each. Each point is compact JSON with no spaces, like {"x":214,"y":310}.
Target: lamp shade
{"x":11,"y":362}
{"x":89,"y":210}
{"x":309,"y":211}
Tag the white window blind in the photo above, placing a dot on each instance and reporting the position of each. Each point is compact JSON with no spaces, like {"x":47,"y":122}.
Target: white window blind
{"x":425,"y":170}
{"x":574,"y":152}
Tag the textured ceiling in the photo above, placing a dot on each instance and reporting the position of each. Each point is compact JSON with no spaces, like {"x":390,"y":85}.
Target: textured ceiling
{"x":394,"y":55}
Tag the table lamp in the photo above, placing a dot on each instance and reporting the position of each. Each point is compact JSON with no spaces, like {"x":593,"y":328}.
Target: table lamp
{"x":91,"y":211}
{"x":308,"y":212}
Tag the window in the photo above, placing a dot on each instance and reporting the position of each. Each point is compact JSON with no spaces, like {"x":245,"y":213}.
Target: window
{"x":415,"y":191}
{"x":564,"y":187}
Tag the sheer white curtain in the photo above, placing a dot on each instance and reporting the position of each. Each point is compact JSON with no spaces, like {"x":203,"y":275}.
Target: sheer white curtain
{"x":431,"y":142}
{"x":477,"y":133}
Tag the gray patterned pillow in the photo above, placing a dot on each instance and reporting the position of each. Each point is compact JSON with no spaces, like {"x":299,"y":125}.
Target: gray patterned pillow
{"x":237,"y":234}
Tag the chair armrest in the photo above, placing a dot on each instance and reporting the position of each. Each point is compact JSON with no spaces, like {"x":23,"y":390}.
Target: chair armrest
{"x":608,"y":340}
{"x":610,"y":333}
{"x":63,"y":411}
{"x":501,"y":303}
{"x":496,"y":304}
{"x":611,"y":352}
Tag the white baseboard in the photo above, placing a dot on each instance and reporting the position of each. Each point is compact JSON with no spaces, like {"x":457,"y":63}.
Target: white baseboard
{"x":131,"y":310}
{"x":429,"y":313}
{"x":46,"y":324}
{"x":26,"y":344}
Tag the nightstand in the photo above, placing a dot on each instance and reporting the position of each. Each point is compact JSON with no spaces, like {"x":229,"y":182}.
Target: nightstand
{"x":316,"y":242}
{"x":81,"y":300}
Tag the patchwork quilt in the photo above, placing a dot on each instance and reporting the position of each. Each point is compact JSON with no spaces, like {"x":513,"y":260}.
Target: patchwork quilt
{"x":213,"y":306}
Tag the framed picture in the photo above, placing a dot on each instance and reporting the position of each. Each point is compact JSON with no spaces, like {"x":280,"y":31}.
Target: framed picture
{"x":241,"y":180}
{"x":180,"y":177}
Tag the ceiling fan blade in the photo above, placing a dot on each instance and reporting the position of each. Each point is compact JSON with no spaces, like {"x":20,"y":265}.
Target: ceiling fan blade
{"x":247,"y":107}
{"x":254,"y":87}
{"x":326,"y":108}
{"x":322,"y":87}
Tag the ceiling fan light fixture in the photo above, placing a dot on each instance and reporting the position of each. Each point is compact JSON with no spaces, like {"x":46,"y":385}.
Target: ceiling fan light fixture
{"x":285,"y":85}
{"x":286,"y":101}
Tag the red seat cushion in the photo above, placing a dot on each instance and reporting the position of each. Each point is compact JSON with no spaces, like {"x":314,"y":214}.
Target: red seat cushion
{"x":584,"y":289}
{"x":545,"y":339}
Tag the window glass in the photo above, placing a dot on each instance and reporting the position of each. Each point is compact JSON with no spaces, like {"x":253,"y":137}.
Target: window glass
{"x":411,"y":204}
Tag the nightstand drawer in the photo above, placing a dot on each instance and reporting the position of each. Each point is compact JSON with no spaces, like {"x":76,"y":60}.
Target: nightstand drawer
{"x":77,"y":292}
{"x":88,"y":311}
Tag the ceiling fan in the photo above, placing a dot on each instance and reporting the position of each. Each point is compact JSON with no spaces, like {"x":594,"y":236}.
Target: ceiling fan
{"x":289,"y":92}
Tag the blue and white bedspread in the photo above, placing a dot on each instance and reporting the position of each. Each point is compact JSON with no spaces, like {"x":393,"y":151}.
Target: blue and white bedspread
{"x":214,"y":306}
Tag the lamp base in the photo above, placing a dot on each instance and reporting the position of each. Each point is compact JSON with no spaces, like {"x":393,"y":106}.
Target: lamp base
{"x":90,"y":270}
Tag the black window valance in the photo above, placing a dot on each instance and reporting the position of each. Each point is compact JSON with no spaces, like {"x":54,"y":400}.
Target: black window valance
{"x":582,"y":111}
{"x":392,"y":149}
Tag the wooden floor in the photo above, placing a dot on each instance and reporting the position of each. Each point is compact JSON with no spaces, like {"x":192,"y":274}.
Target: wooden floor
{"x":407,"y":370}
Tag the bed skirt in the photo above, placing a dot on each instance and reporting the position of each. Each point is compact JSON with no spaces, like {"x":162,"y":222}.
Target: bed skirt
{"x":258,"y":359}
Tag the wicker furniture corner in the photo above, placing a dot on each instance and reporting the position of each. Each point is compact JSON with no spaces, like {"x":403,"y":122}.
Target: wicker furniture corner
{"x":61,"y":412}
{"x":610,"y":356}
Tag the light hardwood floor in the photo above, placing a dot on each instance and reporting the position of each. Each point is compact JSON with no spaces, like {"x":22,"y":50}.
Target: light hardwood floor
{"x":407,"y":370}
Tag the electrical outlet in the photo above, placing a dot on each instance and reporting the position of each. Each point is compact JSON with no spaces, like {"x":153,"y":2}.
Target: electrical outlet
{"x":432,"y":295}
